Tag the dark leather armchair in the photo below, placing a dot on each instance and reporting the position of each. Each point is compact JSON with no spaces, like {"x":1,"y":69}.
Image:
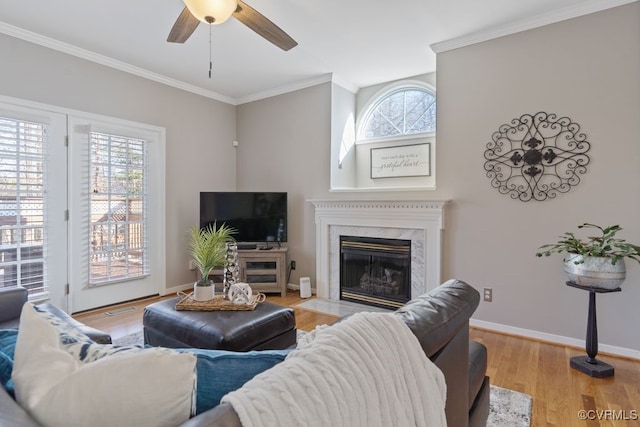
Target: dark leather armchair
{"x":11,"y":302}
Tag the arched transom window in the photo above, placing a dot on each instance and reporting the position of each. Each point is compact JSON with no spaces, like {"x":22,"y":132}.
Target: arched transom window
{"x":403,"y":111}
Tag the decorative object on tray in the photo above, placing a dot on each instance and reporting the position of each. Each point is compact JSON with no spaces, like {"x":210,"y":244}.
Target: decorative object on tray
{"x":535,"y":157}
{"x":597,"y":262}
{"x":231,"y":268}
{"x":207,"y":247}
{"x":240,"y":293}
{"x":218,"y":303}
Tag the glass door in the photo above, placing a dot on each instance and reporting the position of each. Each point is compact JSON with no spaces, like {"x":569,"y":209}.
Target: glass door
{"x":33,"y":202}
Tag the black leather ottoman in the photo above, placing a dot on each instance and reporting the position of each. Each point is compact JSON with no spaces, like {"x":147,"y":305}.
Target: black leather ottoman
{"x":268,"y":327}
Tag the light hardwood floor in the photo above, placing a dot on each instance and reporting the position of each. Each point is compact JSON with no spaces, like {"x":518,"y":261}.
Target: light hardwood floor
{"x":537,"y":368}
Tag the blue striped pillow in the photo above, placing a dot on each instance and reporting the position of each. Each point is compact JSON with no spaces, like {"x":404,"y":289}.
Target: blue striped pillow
{"x":8,"y":338}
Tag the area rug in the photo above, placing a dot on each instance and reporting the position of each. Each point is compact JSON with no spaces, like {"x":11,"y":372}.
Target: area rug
{"x":132,"y":339}
{"x":507,"y":408}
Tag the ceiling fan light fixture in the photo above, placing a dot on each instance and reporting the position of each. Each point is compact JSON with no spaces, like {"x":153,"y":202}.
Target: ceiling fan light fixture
{"x":204,"y":10}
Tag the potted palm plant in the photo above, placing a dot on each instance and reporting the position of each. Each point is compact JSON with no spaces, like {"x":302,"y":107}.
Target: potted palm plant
{"x":207,"y":248}
{"x":597,"y":262}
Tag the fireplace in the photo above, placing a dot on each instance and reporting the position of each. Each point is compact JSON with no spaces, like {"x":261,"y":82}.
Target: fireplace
{"x":375,"y":271}
{"x":420,"y":221}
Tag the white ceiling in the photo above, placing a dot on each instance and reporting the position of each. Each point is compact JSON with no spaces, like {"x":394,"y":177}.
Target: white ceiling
{"x":359,"y":42}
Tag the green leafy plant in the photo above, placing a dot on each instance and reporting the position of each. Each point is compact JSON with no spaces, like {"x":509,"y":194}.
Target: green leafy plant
{"x":207,"y":248}
{"x":606,"y":245}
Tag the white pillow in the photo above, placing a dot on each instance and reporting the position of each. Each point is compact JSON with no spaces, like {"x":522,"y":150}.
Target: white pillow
{"x":64,"y":379}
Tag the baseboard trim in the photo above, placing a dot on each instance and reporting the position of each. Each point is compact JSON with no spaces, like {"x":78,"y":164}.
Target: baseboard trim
{"x":294,"y":287}
{"x":555,"y":339}
{"x":176,"y":289}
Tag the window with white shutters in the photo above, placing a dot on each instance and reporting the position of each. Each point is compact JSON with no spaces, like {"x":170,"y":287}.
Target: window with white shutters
{"x":81,"y":205}
{"x":22,"y":205}
{"x":118,"y":222}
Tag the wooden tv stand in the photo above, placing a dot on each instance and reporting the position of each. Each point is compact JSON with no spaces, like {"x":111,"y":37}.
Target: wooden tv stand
{"x":264,"y":270}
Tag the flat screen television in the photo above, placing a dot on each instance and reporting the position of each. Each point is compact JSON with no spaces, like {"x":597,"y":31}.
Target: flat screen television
{"x":257,"y":216}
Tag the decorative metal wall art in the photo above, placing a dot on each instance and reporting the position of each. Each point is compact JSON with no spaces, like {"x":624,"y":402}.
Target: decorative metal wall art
{"x":535,"y":157}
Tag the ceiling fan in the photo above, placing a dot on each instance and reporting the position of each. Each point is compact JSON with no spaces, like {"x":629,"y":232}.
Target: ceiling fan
{"x":217,"y":11}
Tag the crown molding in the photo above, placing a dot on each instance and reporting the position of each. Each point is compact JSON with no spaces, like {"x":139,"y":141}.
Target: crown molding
{"x":583,"y":8}
{"x":344,"y":83}
{"x":69,"y":49}
{"x":569,"y":12}
{"x":280,"y":90}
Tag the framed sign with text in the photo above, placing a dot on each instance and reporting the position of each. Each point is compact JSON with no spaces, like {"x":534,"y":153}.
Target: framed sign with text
{"x":401,"y":161}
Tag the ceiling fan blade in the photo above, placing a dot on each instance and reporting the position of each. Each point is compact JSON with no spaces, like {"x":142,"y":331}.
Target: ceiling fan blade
{"x":183,"y":28}
{"x":261,"y":25}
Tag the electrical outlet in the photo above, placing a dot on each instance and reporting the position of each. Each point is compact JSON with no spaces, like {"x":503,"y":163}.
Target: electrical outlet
{"x":293,"y":265}
{"x":192,"y":265}
{"x":488,"y":294}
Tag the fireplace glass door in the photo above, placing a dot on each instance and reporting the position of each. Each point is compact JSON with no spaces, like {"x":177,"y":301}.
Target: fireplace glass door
{"x":375,"y":271}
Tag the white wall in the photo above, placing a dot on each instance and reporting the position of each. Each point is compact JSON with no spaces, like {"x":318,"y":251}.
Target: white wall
{"x":588,"y":69}
{"x":354,"y":171}
{"x":199,"y":130}
{"x":343,"y":134}
{"x":363,"y":166}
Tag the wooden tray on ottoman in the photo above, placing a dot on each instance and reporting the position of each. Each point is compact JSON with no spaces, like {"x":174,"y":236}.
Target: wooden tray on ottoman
{"x":218,"y":303}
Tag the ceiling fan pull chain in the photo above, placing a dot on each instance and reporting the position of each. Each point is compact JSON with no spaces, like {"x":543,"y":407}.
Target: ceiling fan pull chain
{"x":210,"y":61}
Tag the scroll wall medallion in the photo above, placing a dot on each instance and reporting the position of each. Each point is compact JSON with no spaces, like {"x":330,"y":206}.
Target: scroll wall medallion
{"x":535,"y":157}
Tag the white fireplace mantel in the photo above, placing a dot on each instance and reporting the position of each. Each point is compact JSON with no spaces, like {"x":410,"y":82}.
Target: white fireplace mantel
{"x":424,"y":217}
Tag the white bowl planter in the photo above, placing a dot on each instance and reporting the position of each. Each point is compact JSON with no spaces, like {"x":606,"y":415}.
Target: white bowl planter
{"x":597,"y":272}
{"x":203,"y":292}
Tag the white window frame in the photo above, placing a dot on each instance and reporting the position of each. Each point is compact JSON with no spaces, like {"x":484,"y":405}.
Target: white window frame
{"x":66,"y":257}
{"x":83,"y":295}
{"x":355,"y":171}
{"x":377,"y":98}
{"x":55,"y":232}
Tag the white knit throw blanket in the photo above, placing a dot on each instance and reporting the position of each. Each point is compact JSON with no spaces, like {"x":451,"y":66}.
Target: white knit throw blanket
{"x":368,"y":371}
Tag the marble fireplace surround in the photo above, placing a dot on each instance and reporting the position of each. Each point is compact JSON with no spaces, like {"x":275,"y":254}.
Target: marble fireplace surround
{"x":420,"y":221}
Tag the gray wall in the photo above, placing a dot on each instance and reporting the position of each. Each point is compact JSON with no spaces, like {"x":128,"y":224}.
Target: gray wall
{"x":587,"y":69}
{"x":200,"y":131}
{"x":284,"y":145}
